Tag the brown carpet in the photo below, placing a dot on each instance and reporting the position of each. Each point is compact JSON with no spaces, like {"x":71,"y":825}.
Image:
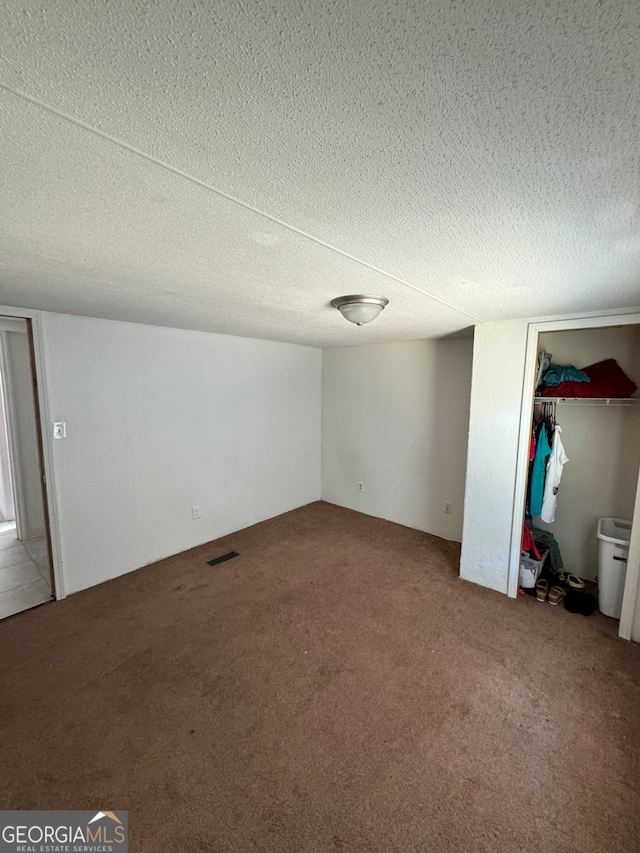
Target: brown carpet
{"x":336,"y":687}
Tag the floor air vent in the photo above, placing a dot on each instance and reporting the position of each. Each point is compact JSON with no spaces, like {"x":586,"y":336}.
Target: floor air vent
{"x":223,"y":559}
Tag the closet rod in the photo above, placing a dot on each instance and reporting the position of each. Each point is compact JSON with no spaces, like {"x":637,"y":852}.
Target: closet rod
{"x":591,"y":401}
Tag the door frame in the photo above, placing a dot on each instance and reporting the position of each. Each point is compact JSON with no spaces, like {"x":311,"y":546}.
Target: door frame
{"x":526,"y":414}
{"x":43,"y":418}
{"x":8,"y":400}
{"x":631,"y":599}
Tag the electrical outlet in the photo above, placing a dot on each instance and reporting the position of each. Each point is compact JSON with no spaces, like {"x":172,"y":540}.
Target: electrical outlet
{"x":447,"y":507}
{"x":195,"y":512}
{"x":360,"y":486}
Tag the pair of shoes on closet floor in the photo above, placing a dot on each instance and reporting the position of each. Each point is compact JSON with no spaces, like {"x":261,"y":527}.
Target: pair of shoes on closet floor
{"x":579,"y":601}
{"x":572,"y":581}
{"x":554,"y":595}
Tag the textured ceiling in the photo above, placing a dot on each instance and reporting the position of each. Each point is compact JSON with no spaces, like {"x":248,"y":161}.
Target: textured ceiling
{"x":234,"y":166}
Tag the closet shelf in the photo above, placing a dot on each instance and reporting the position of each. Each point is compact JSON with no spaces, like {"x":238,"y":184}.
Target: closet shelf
{"x":591,"y":401}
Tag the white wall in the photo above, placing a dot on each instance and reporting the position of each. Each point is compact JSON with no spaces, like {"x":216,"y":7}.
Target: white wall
{"x":161,"y":419}
{"x":395,"y":417}
{"x":496,"y":398}
{"x":602,"y":443}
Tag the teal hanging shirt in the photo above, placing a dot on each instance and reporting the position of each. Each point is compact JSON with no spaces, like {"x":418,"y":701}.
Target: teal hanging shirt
{"x":543,"y":449}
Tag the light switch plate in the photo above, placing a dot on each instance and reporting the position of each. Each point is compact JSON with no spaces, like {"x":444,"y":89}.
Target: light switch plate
{"x":60,"y":430}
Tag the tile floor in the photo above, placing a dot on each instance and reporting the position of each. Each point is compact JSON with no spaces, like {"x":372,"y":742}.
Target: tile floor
{"x":24,"y":572}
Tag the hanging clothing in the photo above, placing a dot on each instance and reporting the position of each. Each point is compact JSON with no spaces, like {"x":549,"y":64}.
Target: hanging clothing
{"x":543,"y":449}
{"x":555,"y":557}
{"x":528,"y":543}
{"x":555,"y":465}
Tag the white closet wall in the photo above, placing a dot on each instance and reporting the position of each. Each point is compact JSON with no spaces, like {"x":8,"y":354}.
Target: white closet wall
{"x":395,"y":417}
{"x":602,"y":443}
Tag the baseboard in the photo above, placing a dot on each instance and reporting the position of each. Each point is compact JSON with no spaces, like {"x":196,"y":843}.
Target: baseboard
{"x":36,"y":533}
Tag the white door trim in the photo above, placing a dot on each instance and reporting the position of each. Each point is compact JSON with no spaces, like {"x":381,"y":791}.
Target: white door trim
{"x":47,"y":447}
{"x":8,"y":400}
{"x":632,"y":583}
{"x":526,"y":412}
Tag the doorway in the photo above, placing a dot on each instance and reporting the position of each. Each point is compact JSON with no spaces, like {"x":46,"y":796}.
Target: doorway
{"x":600,"y":421}
{"x":26,"y":577}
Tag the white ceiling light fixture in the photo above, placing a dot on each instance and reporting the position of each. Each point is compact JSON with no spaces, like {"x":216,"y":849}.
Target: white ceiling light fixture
{"x":360,"y":309}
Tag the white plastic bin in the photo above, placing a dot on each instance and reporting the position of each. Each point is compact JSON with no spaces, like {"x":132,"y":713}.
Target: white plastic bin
{"x":530,"y":569}
{"x":613,"y":535}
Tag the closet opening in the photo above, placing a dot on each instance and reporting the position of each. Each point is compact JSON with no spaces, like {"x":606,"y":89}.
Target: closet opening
{"x":26,"y":575}
{"x":582,"y":463}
